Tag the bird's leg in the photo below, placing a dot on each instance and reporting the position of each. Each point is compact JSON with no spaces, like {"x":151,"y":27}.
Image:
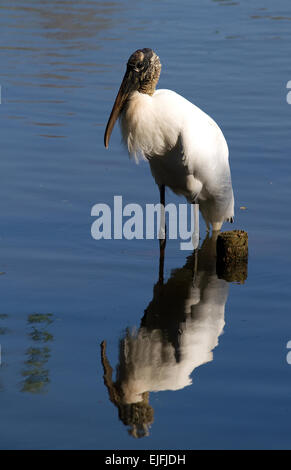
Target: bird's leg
{"x":195,"y":266}
{"x":195,"y":239}
{"x":162,"y":234}
{"x":195,"y":236}
{"x":161,"y":264}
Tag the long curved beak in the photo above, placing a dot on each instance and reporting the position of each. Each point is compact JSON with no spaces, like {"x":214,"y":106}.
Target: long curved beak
{"x":129,"y":83}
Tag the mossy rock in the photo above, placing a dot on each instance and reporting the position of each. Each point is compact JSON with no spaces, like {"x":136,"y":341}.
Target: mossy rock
{"x":232,"y":256}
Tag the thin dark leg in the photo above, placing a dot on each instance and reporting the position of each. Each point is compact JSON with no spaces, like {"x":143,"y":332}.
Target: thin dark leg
{"x":162,"y":194}
{"x":162,"y":240}
{"x":195,"y":267}
{"x":196,"y":240}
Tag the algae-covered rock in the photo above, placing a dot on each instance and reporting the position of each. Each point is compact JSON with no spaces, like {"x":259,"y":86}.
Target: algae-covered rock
{"x":232,"y":255}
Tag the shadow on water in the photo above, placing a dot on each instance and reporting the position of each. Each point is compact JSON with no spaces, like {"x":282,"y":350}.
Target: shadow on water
{"x":3,"y":331}
{"x":70,"y":20}
{"x":178,"y":332}
{"x":36,"y":375}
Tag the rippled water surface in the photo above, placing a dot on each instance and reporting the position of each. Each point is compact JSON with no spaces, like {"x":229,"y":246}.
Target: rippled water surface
{"x":185,"y":365}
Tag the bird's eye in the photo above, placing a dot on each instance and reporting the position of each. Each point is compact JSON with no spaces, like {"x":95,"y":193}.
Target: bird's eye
{"x":139,"y":65}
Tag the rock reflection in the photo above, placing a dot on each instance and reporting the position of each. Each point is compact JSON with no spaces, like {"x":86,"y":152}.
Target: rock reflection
{"x":36,"y":375}
{"x":178,"y":332}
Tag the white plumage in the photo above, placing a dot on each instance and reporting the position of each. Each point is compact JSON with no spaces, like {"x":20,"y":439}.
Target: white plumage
{"x":185,"y":148}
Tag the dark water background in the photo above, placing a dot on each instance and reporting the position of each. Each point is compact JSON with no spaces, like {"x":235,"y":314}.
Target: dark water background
{"x":62,"y":292}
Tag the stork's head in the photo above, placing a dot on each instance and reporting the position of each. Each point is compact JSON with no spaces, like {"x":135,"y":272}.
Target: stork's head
{"x":142,"y":74}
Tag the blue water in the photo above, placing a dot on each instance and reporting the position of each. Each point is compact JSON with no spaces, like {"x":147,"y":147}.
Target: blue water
{"x":63,"y":293}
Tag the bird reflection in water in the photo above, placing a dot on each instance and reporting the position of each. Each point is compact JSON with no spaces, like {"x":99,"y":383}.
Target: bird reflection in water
{"x":178,"y":332}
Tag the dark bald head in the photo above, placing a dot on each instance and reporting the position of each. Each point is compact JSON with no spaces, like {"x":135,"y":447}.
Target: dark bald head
{"x":146,"y":66}
{"x":142,"y":75}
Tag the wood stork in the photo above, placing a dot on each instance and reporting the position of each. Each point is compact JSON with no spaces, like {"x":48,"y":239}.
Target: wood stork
{"x":185,"y":148}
